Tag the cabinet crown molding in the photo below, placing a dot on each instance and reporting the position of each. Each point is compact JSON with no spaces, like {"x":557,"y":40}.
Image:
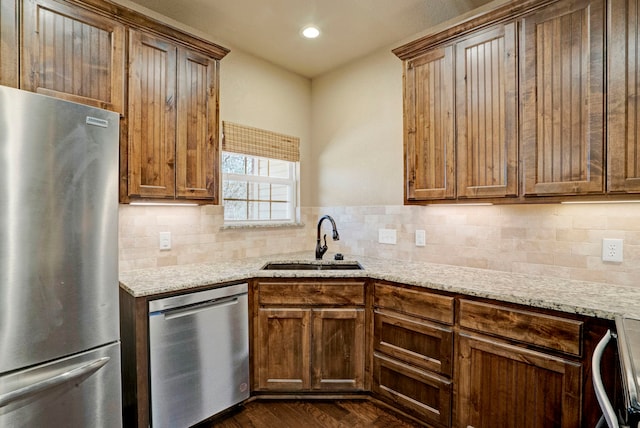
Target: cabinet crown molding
{"x":136,"y":19}
{"x":507,"y":11}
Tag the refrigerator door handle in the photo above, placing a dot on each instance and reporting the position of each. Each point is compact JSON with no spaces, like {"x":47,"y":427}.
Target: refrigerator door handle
{"x":53,"y":381}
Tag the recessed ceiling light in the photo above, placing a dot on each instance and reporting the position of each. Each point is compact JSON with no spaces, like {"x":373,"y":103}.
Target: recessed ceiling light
{"x":310,"y":32}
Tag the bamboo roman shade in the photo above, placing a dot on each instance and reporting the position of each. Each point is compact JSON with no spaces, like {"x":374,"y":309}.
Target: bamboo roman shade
{"x":259,"y":142}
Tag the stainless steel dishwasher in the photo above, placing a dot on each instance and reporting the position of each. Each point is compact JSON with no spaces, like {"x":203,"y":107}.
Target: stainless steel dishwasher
{"x":198,"y":355}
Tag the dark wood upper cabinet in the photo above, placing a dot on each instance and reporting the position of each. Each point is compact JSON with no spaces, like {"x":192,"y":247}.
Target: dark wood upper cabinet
{"x":623,"y":153}
{"x":197,"y":169}
{"x":487,"y":114}
{"x":163,"y":82}
{"x":9,"y":43}
{"x":152,"y":116}
{"x":562,"y":98}
{"x":546,"y":105}
{"x":429,"y":126}
{"x":173,"y":120}
{"x":72,"y":53}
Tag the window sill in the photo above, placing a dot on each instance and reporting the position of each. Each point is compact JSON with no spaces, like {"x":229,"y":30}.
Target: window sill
{"x":284,"y":225}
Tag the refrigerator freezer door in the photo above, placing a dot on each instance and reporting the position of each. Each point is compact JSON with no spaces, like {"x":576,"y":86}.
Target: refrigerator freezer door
{"x":79,"y":391}
{"x":58,"y":228}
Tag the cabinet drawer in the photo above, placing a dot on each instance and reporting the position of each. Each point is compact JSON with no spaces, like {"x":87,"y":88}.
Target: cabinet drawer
{"x":415,"y":302}
{"x":414,"y":341}
{"x":311,"y":293}
{"x":543,"y":330}
{"x":419,"y":392}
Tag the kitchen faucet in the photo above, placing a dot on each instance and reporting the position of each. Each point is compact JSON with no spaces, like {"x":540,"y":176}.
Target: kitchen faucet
{"x":321,"y":249}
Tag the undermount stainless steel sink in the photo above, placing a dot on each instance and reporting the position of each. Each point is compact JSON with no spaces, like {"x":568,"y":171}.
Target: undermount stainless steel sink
{"x":319,"y":265}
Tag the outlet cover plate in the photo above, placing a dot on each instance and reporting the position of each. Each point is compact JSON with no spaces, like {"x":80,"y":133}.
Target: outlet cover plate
{"x":387,"y":236}
{"x":612,"y":250}
{"x":421,"y":238}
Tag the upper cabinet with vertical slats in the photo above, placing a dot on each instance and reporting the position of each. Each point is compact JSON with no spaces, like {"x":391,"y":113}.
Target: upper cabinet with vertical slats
{"x":72,"y":53}
{"x":173,"y":121}
{"x":562,"y":99}
{"x":429,"y":144}
{"x":163,"y":82}
{"x":532,"y":118}
{"x":9,"y":43}
{"x":486,"y":112}
{"x":623,"y":168}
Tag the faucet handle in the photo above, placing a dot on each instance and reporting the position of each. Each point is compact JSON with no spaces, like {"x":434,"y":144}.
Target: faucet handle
{"x":323,"y":248}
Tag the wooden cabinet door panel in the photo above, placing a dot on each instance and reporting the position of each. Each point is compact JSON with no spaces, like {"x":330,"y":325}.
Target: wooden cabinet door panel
{"x":487,"y":114}
{"x":197,"y":127}
{"x":511,"y":387}
{"x":152,"y":116}
{"x":9,"y":58}
{"x":71,"y":53}
{"x":548,"y":331}
{"x":415,"y":341}
{"x":562,"y":100}
{"x":429,"y":139}
{"x":333,"y":292}
{"x":415,"y":302}
{"x":419,"y":392}
{"x":338,"y":349}
{"x":283,"y":349}
{"x":624,"y":97}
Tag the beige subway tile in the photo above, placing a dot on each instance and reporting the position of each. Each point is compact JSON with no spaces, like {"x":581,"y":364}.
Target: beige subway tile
{"x":168,"y":260}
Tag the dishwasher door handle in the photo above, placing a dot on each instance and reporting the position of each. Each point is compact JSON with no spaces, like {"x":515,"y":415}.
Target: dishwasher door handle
{"x":609,"y":415}
{"x":170,"y":314}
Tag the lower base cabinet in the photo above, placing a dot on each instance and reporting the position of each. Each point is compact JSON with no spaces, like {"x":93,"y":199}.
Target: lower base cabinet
{"x":310,"y":336}
{"x":413,"y":352}
{"x":501,"y":385}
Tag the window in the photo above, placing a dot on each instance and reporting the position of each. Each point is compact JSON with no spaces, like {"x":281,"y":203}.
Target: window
{"x":259,"y":175}
{"x":258,"y":189}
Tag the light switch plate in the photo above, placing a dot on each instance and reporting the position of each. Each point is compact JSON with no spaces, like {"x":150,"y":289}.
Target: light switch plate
{"x":612,"y":250}
{"x":165,"y":240}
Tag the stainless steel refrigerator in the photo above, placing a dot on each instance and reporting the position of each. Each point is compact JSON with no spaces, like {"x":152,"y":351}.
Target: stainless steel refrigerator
{"x":59,"y":322}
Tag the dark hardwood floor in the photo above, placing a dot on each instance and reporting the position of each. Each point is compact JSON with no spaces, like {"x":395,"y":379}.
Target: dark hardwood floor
{"x":311,"y":414}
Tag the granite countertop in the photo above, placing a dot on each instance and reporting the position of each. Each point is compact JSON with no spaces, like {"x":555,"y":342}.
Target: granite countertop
{"x":571,"y":296}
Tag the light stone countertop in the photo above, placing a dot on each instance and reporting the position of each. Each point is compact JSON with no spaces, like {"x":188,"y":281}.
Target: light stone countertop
{"x":571,"y":296}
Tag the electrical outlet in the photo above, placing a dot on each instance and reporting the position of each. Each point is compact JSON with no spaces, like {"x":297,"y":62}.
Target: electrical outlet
{"x":165,"y":240}
{"x":421,"y":238}
{"x":387,"y":236}
{"x":612,"y":250}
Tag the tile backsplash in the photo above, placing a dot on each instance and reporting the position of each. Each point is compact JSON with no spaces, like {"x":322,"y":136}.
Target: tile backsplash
{"x":550,"y":239}
{"x":198,"y":236}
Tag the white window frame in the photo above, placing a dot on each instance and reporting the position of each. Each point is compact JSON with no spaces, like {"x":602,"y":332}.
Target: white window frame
{"x":292,"y":182}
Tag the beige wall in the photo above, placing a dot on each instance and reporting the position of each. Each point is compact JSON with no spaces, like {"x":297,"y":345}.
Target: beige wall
{"x":356,"y":129}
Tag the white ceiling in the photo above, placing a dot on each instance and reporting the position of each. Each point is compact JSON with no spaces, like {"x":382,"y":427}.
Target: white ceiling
{"x":270,"y":29}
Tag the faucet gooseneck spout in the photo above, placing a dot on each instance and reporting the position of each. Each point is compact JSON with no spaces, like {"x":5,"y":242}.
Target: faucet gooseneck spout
{"x":321,"y":249}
